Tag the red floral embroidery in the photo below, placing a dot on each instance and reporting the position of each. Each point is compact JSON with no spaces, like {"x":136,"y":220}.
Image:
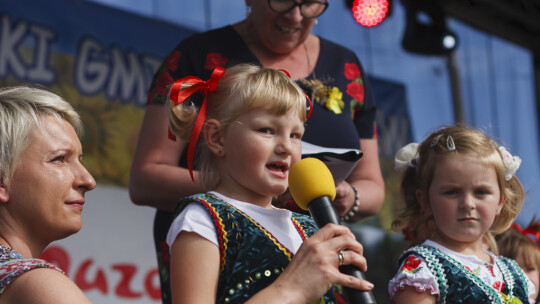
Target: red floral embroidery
{"x":411,"y":263}
{"x":173,"y":61}
{"x":352,"y":71}
{"x":356,"y":91}
{"x":468,"y":268}
{"x":163,"y":84}
{"x":214,"y":60}
{"x":498,"y":286}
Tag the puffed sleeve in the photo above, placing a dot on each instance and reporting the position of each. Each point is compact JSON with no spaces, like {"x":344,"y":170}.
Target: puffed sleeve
{"x":415,"y":273}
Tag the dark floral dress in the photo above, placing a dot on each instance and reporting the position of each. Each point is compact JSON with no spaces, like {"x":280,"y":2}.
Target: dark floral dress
{"x":344,"y":109}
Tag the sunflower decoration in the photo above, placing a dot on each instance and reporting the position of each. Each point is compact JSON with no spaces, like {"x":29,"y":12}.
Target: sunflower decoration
{"x":329,"y":97}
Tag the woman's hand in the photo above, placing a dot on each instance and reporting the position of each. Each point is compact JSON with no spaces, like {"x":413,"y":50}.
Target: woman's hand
{"x":345,"y":198}
{"x":314,"y":268}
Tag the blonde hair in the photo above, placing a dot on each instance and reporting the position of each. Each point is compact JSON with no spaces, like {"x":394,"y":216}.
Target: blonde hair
{"x":512,"y":243}
{"x":467,"y":141}
{"x":242,"y":88}
{"x":21,"y":110}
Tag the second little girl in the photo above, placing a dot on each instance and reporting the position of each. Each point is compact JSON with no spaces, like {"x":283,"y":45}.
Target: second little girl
{"x":457,"y":185}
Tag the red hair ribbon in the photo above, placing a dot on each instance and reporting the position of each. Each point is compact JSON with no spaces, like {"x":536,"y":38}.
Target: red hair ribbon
{"x":310,"y":103}
{"x":532,"y":234}
{"x":406,"y":234}
{"x":178,"y":96}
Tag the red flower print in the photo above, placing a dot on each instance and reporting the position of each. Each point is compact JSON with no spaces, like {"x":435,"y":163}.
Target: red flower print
{"x":163,"y":84}
{"x":173,"y":61}
{"x":411,"y":263}
{"x":214,"y":60}
{"x":498,"y":286}
{"x":356,"y":91}
{"x":468,"y":268}
{"x":352,"y":71}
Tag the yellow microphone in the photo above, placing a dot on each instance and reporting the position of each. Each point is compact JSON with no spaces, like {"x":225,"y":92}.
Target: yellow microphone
{"x":309,"y":179}
{"x":312,"y":187}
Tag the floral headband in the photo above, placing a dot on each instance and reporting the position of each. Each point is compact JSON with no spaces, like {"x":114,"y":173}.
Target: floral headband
{"x":178,"y":96}
{"x":405,"y":156}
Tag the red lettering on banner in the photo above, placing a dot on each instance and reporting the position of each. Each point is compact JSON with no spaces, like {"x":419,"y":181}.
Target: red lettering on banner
{"x":154,"y":292}
{"x":100,"y":282}
{"x":122,"y":289}
{"x":58,"y":256}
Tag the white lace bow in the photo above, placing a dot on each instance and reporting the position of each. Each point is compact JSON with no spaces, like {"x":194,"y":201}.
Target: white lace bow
{"x":405,"y":156}
{"x":511,"y":163}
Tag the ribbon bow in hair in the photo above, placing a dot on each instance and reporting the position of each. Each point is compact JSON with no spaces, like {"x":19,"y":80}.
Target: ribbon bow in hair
{"x":178,"y":96}
{"x":511,"y":163}
{"x":405,"y":156}
{"x":309,"y":99}
{"x":532,"y":234}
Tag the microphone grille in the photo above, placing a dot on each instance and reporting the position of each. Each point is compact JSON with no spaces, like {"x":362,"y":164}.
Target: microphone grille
{"x":309,"y":179}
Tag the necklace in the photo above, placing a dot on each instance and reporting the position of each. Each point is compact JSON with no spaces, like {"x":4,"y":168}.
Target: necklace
{"x":308,"y":61}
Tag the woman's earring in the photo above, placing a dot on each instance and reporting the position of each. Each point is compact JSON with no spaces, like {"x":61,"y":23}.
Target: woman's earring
{"x":316,"y":21}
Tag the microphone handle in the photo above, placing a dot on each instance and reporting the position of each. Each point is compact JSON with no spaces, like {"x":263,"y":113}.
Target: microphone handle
{"x":323,"y":212}
{"x":356,"y":296}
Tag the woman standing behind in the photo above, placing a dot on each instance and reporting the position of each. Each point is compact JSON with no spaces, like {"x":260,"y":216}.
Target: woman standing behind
{"x":42,"y":188}
{"x":275,"y":34}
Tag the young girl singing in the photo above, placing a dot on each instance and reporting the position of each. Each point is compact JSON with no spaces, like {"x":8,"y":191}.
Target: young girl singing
{"x":231,"y":245}
{"x":457,"y":185}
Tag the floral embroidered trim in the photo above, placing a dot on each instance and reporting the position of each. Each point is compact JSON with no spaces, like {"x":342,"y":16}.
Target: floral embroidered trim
{"x":435,"y":267}
{"x":330,"y":98}
{"x":511,"y":163}
{"x":411,"y":265}
{"x":519,"y":271}
{"x":492,"y":293}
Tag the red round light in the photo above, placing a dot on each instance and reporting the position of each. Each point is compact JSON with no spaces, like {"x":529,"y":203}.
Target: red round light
{"x":369,"y":12}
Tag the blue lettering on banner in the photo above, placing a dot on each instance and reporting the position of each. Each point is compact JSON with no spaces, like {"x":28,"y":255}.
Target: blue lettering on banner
{"x":121,"y":75}
{"x":12,"y":37}
{"x":98,"y":68}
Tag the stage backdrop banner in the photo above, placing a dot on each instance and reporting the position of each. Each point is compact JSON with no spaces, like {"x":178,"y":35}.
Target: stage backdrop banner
{"x":102,"y":61}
